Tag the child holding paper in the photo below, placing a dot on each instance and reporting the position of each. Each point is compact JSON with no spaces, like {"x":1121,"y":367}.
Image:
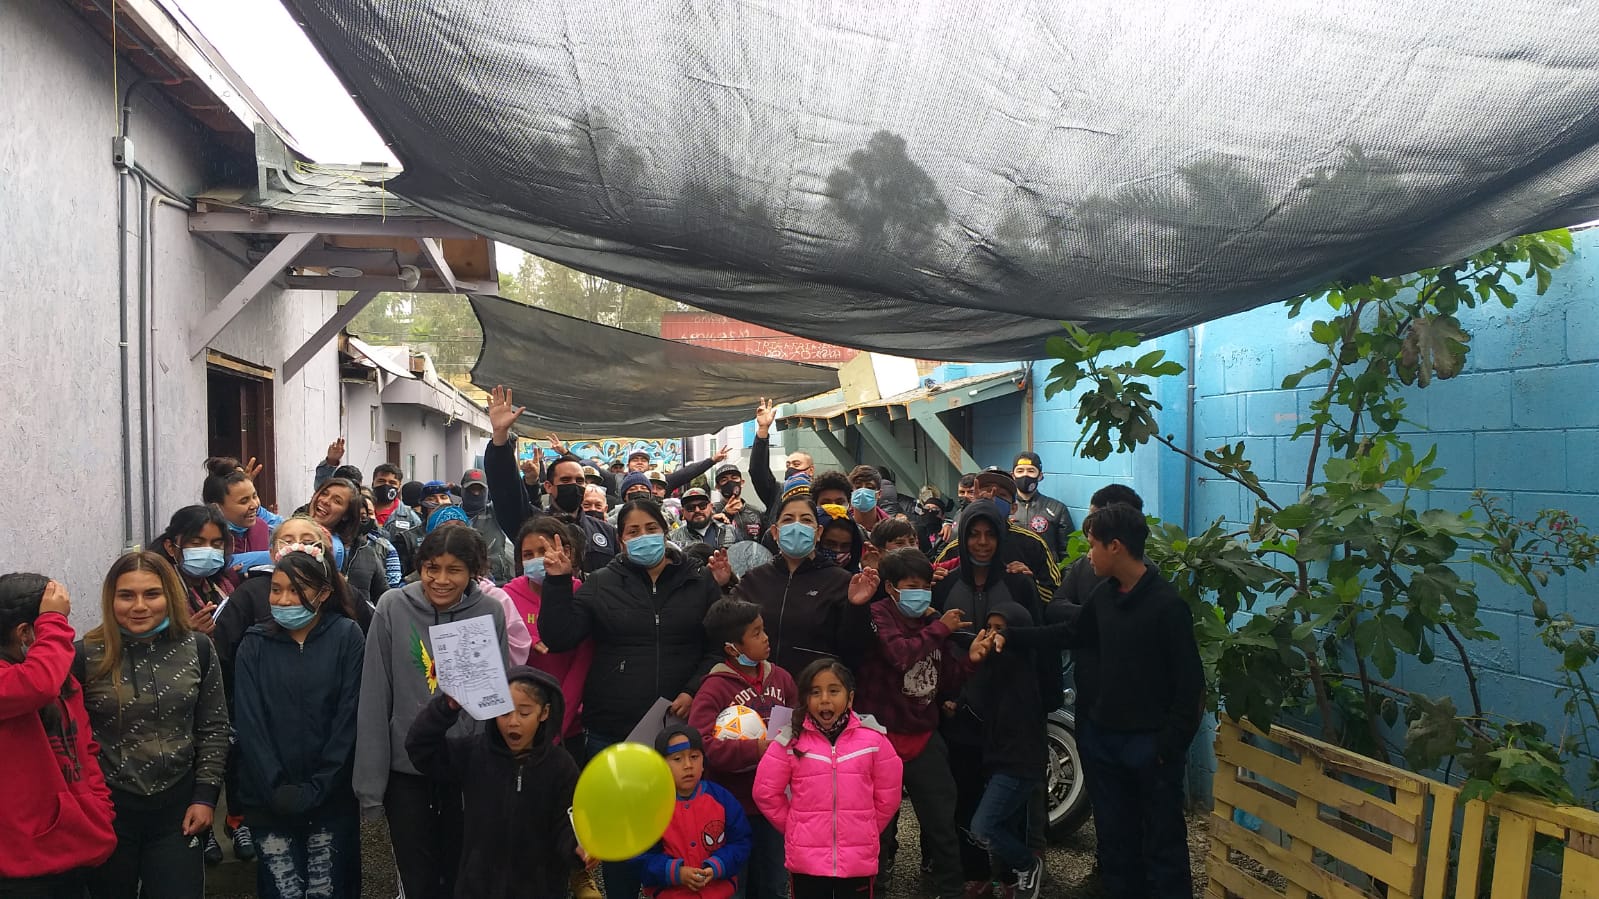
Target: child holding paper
{"x":397,"y":682}
{"x":744,"y":678}
{"x":516,"y":786}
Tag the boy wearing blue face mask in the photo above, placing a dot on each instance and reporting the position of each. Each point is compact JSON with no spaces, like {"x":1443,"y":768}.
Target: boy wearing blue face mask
{"x":911,"y":667}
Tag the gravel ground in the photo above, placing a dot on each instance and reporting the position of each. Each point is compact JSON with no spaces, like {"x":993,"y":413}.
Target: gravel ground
{"x":1069,"y":865}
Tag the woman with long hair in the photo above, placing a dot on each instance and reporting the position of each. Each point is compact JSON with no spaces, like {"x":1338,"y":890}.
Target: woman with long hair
{"x":227,"y":487}
{"x":153,"y":691}
{"x":297,"y":683}
{"x":363,"y":561}
{"x":56,"y":821}
{"x":198,"y":545}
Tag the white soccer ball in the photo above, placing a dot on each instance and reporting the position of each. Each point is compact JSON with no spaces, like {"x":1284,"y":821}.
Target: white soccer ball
{"x":739,"y":722}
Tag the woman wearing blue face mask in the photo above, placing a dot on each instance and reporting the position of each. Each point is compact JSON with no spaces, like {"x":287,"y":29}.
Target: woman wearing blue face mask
{"x":812,"y":608}
{"x":198,"y":545}
{"x":297,"y":682}
{"x":645,"y":612}
{"x":153,"y":691}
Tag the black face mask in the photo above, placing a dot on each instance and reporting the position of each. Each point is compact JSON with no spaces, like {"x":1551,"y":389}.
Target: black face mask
{"x":385,"y":494}
{"x":474,"y":502}
{"x":790,"y":472}
{"x":595,"y":514}
{"x":1026,"y":484}
{"x":932,"y":515}
{"x":730,"y":489}
{"x":569,"y":497}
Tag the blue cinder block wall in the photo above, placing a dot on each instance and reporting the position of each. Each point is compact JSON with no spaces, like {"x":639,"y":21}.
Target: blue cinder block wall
{"x":1522,"y":422}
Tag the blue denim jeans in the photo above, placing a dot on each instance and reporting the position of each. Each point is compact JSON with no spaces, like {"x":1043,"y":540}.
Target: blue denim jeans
{"x":321,"y":860}
{"x":1000,"y":822}
{"x":620,"y":880}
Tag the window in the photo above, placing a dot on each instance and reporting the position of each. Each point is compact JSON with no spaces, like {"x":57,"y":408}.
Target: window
{"x":410,"y":466}
{"x":373,"y":423}
{"x":436,"y":467}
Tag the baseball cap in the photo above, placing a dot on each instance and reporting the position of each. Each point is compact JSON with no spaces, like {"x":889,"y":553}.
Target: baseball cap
{"x":637,"y":454}
{"x":696,"y":493}
{"x":656,"y":476}
{"x":435,"y":488}
{"x":997,"y":477}
{"x":474,"y":476}
{"x":678,"y":737}
{"x":727,"y":468}
{"x":591,"y":473}
{"x":1029,"y":458}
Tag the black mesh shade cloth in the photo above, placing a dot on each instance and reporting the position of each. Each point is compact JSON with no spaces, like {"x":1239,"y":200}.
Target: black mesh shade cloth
{"x":947,"y":179}
{"x":578,"y":376}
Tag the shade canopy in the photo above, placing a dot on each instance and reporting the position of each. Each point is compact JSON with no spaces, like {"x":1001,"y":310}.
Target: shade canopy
{"x":576,"y":376}
{"x":947,"y":179}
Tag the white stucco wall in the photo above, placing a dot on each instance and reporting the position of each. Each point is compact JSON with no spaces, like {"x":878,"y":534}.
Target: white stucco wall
{"x":60,"y":419}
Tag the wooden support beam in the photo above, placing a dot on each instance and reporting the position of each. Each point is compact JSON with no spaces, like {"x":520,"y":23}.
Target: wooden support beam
{"x":834,"y":445}
{"x":434,"y":251}
{"x":251,"y":285}
{"x":282,"y":223}
{"x":877,"y":436}
{"x":314,"y":344}
{"x":944,"y":440}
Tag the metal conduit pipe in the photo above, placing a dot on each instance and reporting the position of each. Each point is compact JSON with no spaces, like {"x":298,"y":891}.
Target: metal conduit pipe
{"x":147,"y":347}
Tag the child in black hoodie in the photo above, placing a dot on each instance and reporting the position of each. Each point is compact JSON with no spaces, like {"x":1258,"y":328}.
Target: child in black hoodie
{"x":516,"y":788}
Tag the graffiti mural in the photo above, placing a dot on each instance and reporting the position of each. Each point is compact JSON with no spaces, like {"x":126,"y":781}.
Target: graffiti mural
{"x":665,"y":454}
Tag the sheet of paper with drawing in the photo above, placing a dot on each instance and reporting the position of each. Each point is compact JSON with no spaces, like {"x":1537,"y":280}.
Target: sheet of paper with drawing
{"x":470,"y":670}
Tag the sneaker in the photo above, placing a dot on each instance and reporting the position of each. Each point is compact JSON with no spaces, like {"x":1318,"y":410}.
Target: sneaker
{"x":1030,"y":881}
{"x":213,"y":851}
{"x":976,"y":889}
{"x":583,"y":886}
{"x":243,"y":844}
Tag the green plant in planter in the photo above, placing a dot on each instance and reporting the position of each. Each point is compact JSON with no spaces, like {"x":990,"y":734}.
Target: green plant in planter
{"x":1311,"y":606}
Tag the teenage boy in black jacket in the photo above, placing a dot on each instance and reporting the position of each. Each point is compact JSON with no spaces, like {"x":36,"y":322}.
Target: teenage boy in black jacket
{"x":1141,"y":686}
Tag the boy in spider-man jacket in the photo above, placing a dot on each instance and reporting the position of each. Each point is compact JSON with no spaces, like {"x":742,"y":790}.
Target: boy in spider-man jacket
{"x":706,"y":845}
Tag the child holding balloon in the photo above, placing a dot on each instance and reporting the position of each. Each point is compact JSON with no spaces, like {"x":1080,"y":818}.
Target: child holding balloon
{"x":830,"y":783}
{"x":744,"y":682}
{"x":516,"y":787}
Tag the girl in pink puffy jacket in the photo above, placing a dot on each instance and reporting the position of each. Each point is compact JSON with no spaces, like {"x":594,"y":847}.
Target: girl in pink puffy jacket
{"x":829,"y":783}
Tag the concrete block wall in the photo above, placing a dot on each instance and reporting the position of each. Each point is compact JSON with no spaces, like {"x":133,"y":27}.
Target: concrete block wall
{"x":1520,"y":422}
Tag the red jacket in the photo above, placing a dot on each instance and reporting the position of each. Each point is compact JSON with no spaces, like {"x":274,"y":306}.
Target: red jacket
{"x":732,"y":763}
{"x":911,"y":666}
{"x":57,"y":808}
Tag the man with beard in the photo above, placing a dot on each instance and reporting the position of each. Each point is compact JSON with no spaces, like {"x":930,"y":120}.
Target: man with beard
{"x":564,"y":482}
{"x":699,"y":525}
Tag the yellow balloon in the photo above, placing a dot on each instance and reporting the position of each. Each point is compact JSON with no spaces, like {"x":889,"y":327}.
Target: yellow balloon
{"x":623,"y":802}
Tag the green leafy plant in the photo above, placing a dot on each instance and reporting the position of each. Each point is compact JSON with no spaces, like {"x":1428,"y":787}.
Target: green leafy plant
{"x":1310,"y":607}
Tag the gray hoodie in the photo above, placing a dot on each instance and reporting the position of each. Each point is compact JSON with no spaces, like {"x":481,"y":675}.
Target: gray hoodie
{"x":395,"y":686}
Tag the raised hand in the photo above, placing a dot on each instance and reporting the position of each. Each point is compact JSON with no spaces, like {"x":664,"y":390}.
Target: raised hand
{"x":530,"y":471}
{"x":559,"y":559}
{"x":765,"y":414}
{"x":870,"y":556}
{"x":335,"y":453}
{"x":721,"y":569}
{"x":555,"y":442}
{"x":863,"y":586}
{"x":56,"y":600}
{"x":252,"y":468}
{"x":503,"y":412}
{"x":987,"y":641}
{"x":720,"y":455}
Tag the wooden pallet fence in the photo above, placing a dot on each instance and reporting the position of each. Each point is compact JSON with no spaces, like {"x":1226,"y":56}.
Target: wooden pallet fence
{"x":1337,"y":825}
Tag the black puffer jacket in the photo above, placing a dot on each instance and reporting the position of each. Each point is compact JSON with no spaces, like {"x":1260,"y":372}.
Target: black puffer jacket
{"x":807,"y":612}
{"x":649,"y":638}
{"x":533,"y":856}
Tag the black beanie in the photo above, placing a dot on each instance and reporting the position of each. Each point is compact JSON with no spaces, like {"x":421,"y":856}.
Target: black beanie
{"x":411,"y":493}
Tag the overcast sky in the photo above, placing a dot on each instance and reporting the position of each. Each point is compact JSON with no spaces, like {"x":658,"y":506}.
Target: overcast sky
{"x":274,"y":57}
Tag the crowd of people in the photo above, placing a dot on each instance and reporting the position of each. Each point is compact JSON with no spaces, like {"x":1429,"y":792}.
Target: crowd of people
{"x":282,"y":668}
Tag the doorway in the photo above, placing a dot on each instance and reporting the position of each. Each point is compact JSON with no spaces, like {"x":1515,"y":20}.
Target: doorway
{"x":239,"y":418}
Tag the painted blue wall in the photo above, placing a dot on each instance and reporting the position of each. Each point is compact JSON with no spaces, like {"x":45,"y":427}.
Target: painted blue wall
{"x":1521,"y":422}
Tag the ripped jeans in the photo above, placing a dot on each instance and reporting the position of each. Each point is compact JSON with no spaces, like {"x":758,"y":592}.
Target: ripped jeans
{"x":316,"y":860}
